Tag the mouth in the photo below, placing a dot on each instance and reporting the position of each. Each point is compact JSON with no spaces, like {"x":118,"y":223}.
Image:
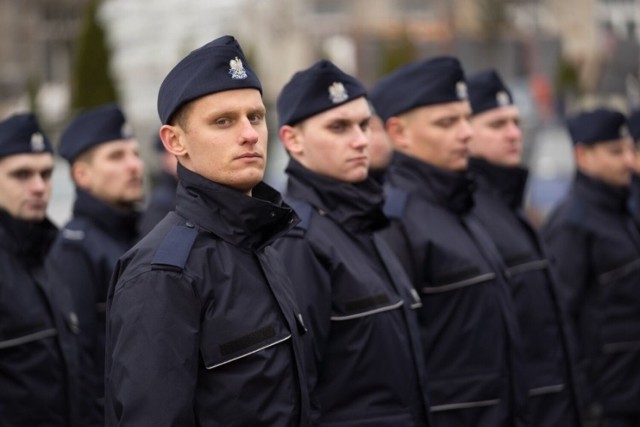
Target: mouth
{"x":250,"y":156}
{"x":359,"y":159}
{"x":37,"y":204}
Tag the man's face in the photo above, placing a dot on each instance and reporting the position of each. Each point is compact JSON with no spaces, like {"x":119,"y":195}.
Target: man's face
{"x":438,"y":134}
{"x":25,"y":185}
{"x":112,"y":172}
{"x":334,"y":143}
{"x":497,"y":137}
{"x":224,"y":138}
{"x":611,"y":162}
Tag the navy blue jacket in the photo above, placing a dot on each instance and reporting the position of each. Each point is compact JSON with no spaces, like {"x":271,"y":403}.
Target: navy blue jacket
{"x":82,"y":259}
{"x":596,"y":248}
{"x":161,"y":202}
{"x":472,"y":345}
{"x":363,"y":362}
{"x":202,"y":325}
{"x":498,"y":204}
{"x":38,"y":346}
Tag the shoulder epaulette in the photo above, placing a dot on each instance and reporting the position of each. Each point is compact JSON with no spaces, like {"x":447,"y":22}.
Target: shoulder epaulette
{"x":395,"y":203}
{"x":176,"y":246}
{"x":304,"y":211}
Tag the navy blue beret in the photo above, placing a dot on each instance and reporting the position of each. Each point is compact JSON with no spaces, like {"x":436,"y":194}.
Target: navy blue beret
{"x":433,"y":81}
{"x":634,"y":124}
{"x":599,"y":125}
{"x":21,"y":134}
{"x":319,"y":88}
{"x":487,"y":91}
{"x":218,"y":66}
{"x":93,"y":127}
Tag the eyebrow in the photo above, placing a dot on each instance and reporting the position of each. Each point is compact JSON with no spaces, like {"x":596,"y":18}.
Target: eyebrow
{"x":235,"y":112}
{"x":28,"y":169}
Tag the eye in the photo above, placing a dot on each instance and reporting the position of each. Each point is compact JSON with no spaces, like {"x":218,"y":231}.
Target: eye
{"x":21,"y":175}
{"x":364,"y":125}
{"x":338,"y":127}
{"x":256,"y":117}
{"x":223,"y":122}
{"x":446,"y":123}
{"x":116,"y":155}
{"x":497,"y":124}
{"x":46,"y":175}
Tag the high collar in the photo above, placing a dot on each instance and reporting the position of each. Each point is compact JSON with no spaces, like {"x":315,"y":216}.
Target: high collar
{"x":28,"y":240}
{"x":508,"y":183}
{"x":599,"y":193}
{"x":121,"y":225}
{"x":248,"y":222}
{"x":454,"y":190}
{"x":358,"y":206}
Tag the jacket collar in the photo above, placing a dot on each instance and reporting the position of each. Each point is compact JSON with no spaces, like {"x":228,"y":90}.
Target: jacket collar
{"x":121,"y":225}
{"x":248,"y":222}
{"x":454,"y":190}
{"x":599,"y":193}
{"x":28,"y":240}
{"x":508,"y":183}
{"x":358,"y":207}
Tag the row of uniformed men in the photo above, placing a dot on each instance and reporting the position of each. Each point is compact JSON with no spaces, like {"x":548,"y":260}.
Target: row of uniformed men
{"x":428,"y":303}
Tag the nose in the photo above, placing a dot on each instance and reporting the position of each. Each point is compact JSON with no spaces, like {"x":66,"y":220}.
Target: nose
{"x":135,"y":163}
{"x":514,"y":132}
{"x":630,"y":159}
{"x":38,"y":183}
{"x":248,"y":133}
{"x":465,"y":131}
{"x":361,"y":138}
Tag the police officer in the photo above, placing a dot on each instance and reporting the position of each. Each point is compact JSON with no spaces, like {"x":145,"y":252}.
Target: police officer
{"x":203,"y":328}
{"x":596,"y":246}
{"x":496,"y":156}
{"x":163,"y":196}
{"x":107,"y":173}
{"x":468,"y":327}
{"x":38,"y":358}
{"x":364,"y":363}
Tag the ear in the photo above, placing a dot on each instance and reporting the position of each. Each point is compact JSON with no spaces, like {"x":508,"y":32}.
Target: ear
{"x":81,"y":173}
{"x":398,"y":132}
{"x":291,"y":139}
{"x":173,"y":140}
{"x":582,"y":155}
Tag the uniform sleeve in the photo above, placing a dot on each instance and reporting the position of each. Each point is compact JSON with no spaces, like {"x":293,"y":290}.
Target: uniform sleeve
{"x":310,"y":275}
{"x":152,"y":350}
{"x":568,"y":250}
{"x":69,"y":266}
{"x":68,"y":270}
{"x":569,"y":253}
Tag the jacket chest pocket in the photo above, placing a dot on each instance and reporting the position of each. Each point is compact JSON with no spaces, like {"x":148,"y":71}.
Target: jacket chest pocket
{"x":232,"y":336}
{"x":26,"y":332}
{"x":354,"y":307}
{"x":446,"y":271}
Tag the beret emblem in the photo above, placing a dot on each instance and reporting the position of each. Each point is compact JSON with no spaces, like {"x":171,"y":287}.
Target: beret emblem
{"x":37,"y":142}
{"x":338,"y":93}
{"x":236,"y":69}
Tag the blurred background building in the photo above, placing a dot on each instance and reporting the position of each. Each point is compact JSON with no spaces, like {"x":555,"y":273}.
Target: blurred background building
{"x":59,"y":56}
